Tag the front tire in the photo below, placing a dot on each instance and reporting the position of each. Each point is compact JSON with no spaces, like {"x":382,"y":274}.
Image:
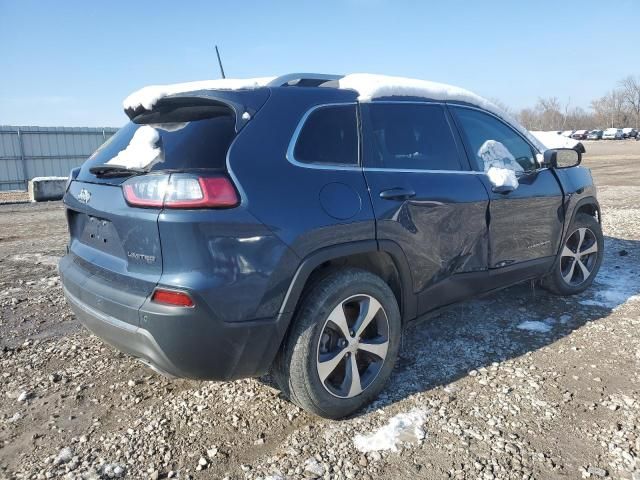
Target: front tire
{"x":579,"y":259}
{"x":342,"y":345}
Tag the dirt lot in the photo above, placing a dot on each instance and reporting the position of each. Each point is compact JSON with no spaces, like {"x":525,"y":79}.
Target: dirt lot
{"x":520,"y":384}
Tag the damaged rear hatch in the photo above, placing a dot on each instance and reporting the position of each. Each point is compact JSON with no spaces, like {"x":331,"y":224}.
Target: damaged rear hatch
{"x":115,"y":252}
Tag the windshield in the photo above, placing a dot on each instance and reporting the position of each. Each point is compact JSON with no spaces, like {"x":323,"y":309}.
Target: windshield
{"x":159,"y":146}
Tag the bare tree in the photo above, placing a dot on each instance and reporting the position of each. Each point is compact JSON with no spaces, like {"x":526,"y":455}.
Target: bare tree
{"x":618,"y":108}
{"x":630,"y":90}
{"x":551,"y":117}
{"x":610,"y":109}
{"x":529,"y":119}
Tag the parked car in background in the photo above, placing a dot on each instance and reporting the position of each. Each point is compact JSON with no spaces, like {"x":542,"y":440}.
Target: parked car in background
{"x":568,"y":133}
{"x":580,"y":134}
{"x":595,"y":135}
{"x":629,"y":133}
{"x":612,"y":134}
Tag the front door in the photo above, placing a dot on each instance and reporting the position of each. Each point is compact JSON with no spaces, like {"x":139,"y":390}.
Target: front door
{"x":425,"y":197}
{"x":525,"y":223}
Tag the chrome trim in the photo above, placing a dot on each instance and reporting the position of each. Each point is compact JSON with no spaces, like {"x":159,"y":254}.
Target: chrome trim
{"x":405,"y":102}
{"x":415,"y":170}
{"x":294,"y":139}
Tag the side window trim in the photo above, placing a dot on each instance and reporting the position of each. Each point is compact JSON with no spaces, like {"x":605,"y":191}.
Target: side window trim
{"x":317,"y":166}
{"x":534,"y":150}
{"x":465,"y":167}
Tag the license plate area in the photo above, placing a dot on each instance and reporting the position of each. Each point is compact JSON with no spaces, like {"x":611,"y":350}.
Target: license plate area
{"x":101,"y":234}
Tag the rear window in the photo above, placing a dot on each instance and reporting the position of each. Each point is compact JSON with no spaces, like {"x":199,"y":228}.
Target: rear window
{"x":329,"y":136}
{"x":173,"y":145}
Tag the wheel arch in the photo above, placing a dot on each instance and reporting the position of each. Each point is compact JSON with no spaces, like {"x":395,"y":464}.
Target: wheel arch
{"x":588,"y":205}
{"x":386,"y":260}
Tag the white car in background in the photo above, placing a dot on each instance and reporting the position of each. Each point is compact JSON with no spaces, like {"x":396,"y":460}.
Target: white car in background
{"x":567,"y":133}
{"x":613,"y":134}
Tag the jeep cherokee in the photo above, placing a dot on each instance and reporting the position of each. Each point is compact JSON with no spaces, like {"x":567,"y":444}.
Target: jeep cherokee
{"x":296,"y":225}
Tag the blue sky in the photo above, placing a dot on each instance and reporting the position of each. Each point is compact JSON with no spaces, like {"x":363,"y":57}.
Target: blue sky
{"x":71,"y":63}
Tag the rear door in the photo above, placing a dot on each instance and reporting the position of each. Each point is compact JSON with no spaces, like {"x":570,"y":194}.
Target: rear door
{"x":526,"y":223}
{"x":425,"y":198}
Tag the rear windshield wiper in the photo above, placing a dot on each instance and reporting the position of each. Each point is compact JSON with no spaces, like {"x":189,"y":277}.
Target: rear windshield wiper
{"x":105,"y":170}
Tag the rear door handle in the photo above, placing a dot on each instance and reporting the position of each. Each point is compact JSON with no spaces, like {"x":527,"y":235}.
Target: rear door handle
{"x":397,"y":194}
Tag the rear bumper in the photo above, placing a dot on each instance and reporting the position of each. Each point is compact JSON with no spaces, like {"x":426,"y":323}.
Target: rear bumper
{"x":127,"y":338}
{"x":175,"y":341}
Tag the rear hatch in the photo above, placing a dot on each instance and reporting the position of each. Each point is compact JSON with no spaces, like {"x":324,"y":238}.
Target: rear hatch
{"x":115,"y":247}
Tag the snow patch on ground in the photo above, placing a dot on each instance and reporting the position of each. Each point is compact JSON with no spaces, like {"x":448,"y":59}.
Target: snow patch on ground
{"x":148,"y":96}
{"x":613,"y":286}
{"x":534,"y":326}
{"x":554,"y":140}
{"x":37,"y":259}
{"x":402,"y":428}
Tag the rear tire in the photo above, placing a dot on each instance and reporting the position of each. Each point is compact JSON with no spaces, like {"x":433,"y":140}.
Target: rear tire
{"x":579,"y":259}
{"x":342,"y":345}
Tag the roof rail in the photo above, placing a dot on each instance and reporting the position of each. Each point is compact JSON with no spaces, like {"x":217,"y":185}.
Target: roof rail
{"x":303,"y":79}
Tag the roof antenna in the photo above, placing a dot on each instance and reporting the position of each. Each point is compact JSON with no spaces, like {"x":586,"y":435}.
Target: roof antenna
{"x":220,"y":63}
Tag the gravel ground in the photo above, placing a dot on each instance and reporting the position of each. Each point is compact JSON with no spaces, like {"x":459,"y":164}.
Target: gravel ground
{"x":520,"y":384}
{"x":14,"y":196}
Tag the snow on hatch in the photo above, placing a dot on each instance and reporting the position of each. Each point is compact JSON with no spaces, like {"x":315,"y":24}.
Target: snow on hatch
{"x":142,"y":150}
{"x":404,"y":427}
{"x":148,"y":96}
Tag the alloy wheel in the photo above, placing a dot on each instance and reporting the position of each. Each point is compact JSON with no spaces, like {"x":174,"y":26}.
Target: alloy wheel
{"x":353,"y":346}
{"x":579,"y":256}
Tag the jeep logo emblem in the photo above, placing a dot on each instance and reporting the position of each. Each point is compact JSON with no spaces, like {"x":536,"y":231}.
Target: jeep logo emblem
{"x":84,"y":196}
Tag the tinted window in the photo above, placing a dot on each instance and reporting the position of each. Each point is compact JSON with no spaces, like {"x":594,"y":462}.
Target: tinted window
{"x":409,"y":136}
{"x":329,"y":136}
{"x":166,"y":146}
{"x":492,"y":143}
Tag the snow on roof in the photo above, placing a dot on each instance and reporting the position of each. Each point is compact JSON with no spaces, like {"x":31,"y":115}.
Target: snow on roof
{"x":148,"y":96}
{"x":370,"y":86}
{"x":555,"y":140}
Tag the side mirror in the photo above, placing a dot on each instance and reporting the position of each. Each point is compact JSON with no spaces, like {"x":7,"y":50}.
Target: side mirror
{"x":562,"y":158}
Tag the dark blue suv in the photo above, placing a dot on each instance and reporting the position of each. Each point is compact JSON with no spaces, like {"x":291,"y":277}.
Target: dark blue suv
{"x":296,"y":227}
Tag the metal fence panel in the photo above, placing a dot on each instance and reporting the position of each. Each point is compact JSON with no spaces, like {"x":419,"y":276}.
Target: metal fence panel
{"x":28,"y":152}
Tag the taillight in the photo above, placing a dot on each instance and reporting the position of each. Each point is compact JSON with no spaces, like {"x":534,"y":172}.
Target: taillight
{"x":172,"y":297}
{"x":180,"y":190}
